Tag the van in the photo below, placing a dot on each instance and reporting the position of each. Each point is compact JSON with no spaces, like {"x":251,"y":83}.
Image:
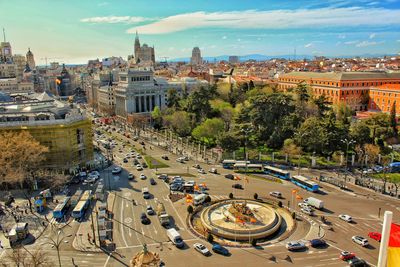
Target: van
{"x":175,"y":237}
{"x":199,"y":199}
{"x":145,"y":192}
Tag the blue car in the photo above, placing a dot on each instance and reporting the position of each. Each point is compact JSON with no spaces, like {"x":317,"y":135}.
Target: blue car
{"x":317,"y":243}
{"x":220,"y":250}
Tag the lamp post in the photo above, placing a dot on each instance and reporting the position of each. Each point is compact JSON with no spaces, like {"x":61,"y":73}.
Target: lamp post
{"x":246,"y":132}
{"x":347,"y":142}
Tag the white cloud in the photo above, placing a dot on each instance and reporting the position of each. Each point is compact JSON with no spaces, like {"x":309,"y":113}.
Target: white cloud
{"x":224,"y":37}
{"x":274,"y":19}
{"x":342,"y":36}
{"x":116,"y":19}
{"x":239,"y":39}
{"x":351,"y":42}
{"x":308,"y":45}
{"x":368,"y":43}
{"x":398,"y":41}
{"x":372,"y":35}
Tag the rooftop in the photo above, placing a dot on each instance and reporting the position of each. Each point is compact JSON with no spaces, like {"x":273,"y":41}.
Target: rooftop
{"x":388,"y":87}
{"x":342,"y":76}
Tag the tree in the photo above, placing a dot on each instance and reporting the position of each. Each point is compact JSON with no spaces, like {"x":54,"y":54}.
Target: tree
{"x":198,"y":102}
{"x":21,"y":257}
{"x":393,"y":121}
{"x":311,"y":135}
{"x":180,"y":122}
{"x":209,"y":131}
{"x":157,"y":118}
{"x":290,"y":148}
{"x":190,"y":209}
{"x":322,"y":105}
{"x":395,"y":180}
{"x":372,"y":152}
{"x":173,"y":98}
{"x":360,"y":133}
{"x":228,"y":141}
{"x":251,"y":85}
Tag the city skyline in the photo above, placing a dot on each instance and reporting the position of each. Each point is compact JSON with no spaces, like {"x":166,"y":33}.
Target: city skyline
{"x":75,"y":31}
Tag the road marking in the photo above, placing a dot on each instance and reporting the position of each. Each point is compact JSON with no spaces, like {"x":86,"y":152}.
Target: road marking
{"x":121,"y":224}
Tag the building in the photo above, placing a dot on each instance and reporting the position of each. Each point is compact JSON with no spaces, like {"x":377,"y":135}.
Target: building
{"x":64,"y":130}
{"x":8,"y":70}
{"x":20,"y":63}
{"x":30,"y":59}
{"x":143,"y":54}
{"x":64,"y":85}
{"x":351,"y":88}
{"x":196,"y":57}
{"x":137,"y":92}
{"x":233,"y":59}
{"x":382,"y":98}
{"x":106,"y":98}
{"x":5,"y":52}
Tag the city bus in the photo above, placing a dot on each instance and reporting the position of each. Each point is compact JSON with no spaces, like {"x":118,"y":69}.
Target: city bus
{"x":228,"y":163}
{"x":242,"y":166}
{"x":76,"y":197}
{"x":394,"y":167}
{"x":62,"y":208}
{"x":305,"y":183}
{"x":82,"y":205}
{"x":285,"y":175}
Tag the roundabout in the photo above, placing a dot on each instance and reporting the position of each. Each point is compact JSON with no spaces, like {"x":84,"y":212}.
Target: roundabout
{"x":238,"y":220}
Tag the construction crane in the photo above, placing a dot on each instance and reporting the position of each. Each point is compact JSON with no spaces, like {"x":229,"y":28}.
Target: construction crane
{"x":46,"y":59}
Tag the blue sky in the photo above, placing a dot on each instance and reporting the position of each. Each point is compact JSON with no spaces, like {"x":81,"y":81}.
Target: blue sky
{"x":74,"y":31}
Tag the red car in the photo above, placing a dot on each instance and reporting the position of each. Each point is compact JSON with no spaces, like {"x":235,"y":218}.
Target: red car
{"x":345,"y":255}
{"x":375,"y":235}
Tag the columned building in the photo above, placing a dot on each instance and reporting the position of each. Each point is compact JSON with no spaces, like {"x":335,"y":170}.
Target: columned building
{"x":137,"y":92}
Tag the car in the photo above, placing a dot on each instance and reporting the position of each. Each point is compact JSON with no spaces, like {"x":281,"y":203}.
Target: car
{"x":135,"y":138}
{"x":275,"y":194}
{"x":375,"y":235}
{"x":295,"y":245}
{"x":144,"y":164}
{"x":202,"y":171}
{"x":345,"y":255}
{"x":116,"y":170}
{"x":237,"y":186}
{"x":94,"y":173}
{"x":229,"y":176}
{"x":149,"y":210}
{"x":356,"y":262}
{"x":197,"y":166}
{"x":180,"y":160}
{"x":185,"y":158}
{"x":152,"y":181}
{"x":175,"y":187}
{"x":144,"y":219}
{"x":131,"y":176}
{"x":202,"y":249}
{"x":89,"y":180}
{"x":139,"y":168}
{"x":307,"y":211}
{"x":138,"y":156}
{"x":345,"y":217}
{"x":304,"y":205}
{"x":360,"y":240}
{"x":317,"y":243}
{"x":165,"y":157}
{"x":217,"y":248}
{"x":125,"y":160}
{"x":162,"y":176}
{"x":142,"y":176}
{"x":213,"y":170}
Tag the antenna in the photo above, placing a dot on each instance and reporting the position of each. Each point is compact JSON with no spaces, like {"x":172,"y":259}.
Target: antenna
{"x":4,"y":34}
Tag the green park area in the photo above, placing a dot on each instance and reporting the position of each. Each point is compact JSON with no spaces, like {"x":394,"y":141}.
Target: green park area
{"x":154,"y":163}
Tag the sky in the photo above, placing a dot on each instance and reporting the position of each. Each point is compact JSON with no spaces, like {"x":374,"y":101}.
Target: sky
{"x":73,"y":31}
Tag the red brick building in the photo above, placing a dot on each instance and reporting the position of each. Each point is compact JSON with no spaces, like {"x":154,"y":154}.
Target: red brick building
{"x":381,"y":98}
{"x":351,"y":88}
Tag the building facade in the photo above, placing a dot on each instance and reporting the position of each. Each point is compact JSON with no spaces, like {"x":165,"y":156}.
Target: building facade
{"x":106,"y":99}
{"x":143,"y":54}
{"x":30,"y":59}
{"x":64,"y":130}
{"x":350,"y":88}
{"x":196,"y":57}
{"x":383,"y":97}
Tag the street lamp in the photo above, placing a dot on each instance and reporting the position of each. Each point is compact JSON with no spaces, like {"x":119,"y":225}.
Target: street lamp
{"x":347,"y":142}
{"x":246,"y":132}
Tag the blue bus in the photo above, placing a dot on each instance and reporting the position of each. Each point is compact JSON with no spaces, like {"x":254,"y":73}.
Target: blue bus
{"x":305,"y":183}
{"x":62,"y":208}
{"x":241,"y":166}
{"x":394,"y":167}
{"x":228,"y":163}
{"x":285,"y":175}
{"x":82,"y":205}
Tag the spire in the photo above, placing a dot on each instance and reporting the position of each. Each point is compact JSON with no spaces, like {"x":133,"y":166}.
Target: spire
{"x":4,"y":34}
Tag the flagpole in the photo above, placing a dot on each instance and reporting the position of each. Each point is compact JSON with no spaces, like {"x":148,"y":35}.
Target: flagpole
{"x":387,"y":222}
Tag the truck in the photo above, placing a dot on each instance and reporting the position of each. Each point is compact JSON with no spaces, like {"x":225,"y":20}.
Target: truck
{"x":314,"y":202}
{"x":175,"y":237}
{"x":199,"y":199}
{"x":162,"y":215}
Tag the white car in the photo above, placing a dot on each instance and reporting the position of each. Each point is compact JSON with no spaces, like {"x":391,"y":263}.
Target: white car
{"x":202,"y":249}
{"x":345,"y":217}
{"x":116,"y":170}
{"x":307,"y":211}
{"x":275,"y":194}
{"x":139,"y":168}
{"x":295,"y":245}
{"x":304,"y":205}
{"x":142,"y":176}
{"x":202,"y":171}
{"x":360,"y":240}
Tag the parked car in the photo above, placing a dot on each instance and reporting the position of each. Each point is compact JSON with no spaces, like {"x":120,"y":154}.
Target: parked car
{"x":116,"y":170}
{"x":165,"y":157}
{"x":139,"y":168}
{"x":304,"y":205}
{"x":202,"y":249}
{"x":229,"y":176}
{"x":317,"y":243}
{"x":276,"y":194}
{"x":375,"y":235}
{"x":345,"y":217}
{"x":213,"y":170}
{"x":360,"y":240}
{"x":162,"y":176}
{"x":180,"y":160}
{"x":152,"y":181}
{"x":345,"y":255}
{"x":295,"y":245}
{"x":149,"y":210}
{"x":144,"y":165}
{"x":237,"y":186}
{"x":307,"y":211}
{"x":144,"y":219}
{"x":142,"y":176}
{"x":197,"y":166}
{"x":202,"y":171}
{"x":217,"y":248}
{"x":131,"y":176}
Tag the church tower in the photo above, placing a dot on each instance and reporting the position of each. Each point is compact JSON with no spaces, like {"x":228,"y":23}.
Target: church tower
{"x":30,"y":59}
{"x":137,"y":47}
